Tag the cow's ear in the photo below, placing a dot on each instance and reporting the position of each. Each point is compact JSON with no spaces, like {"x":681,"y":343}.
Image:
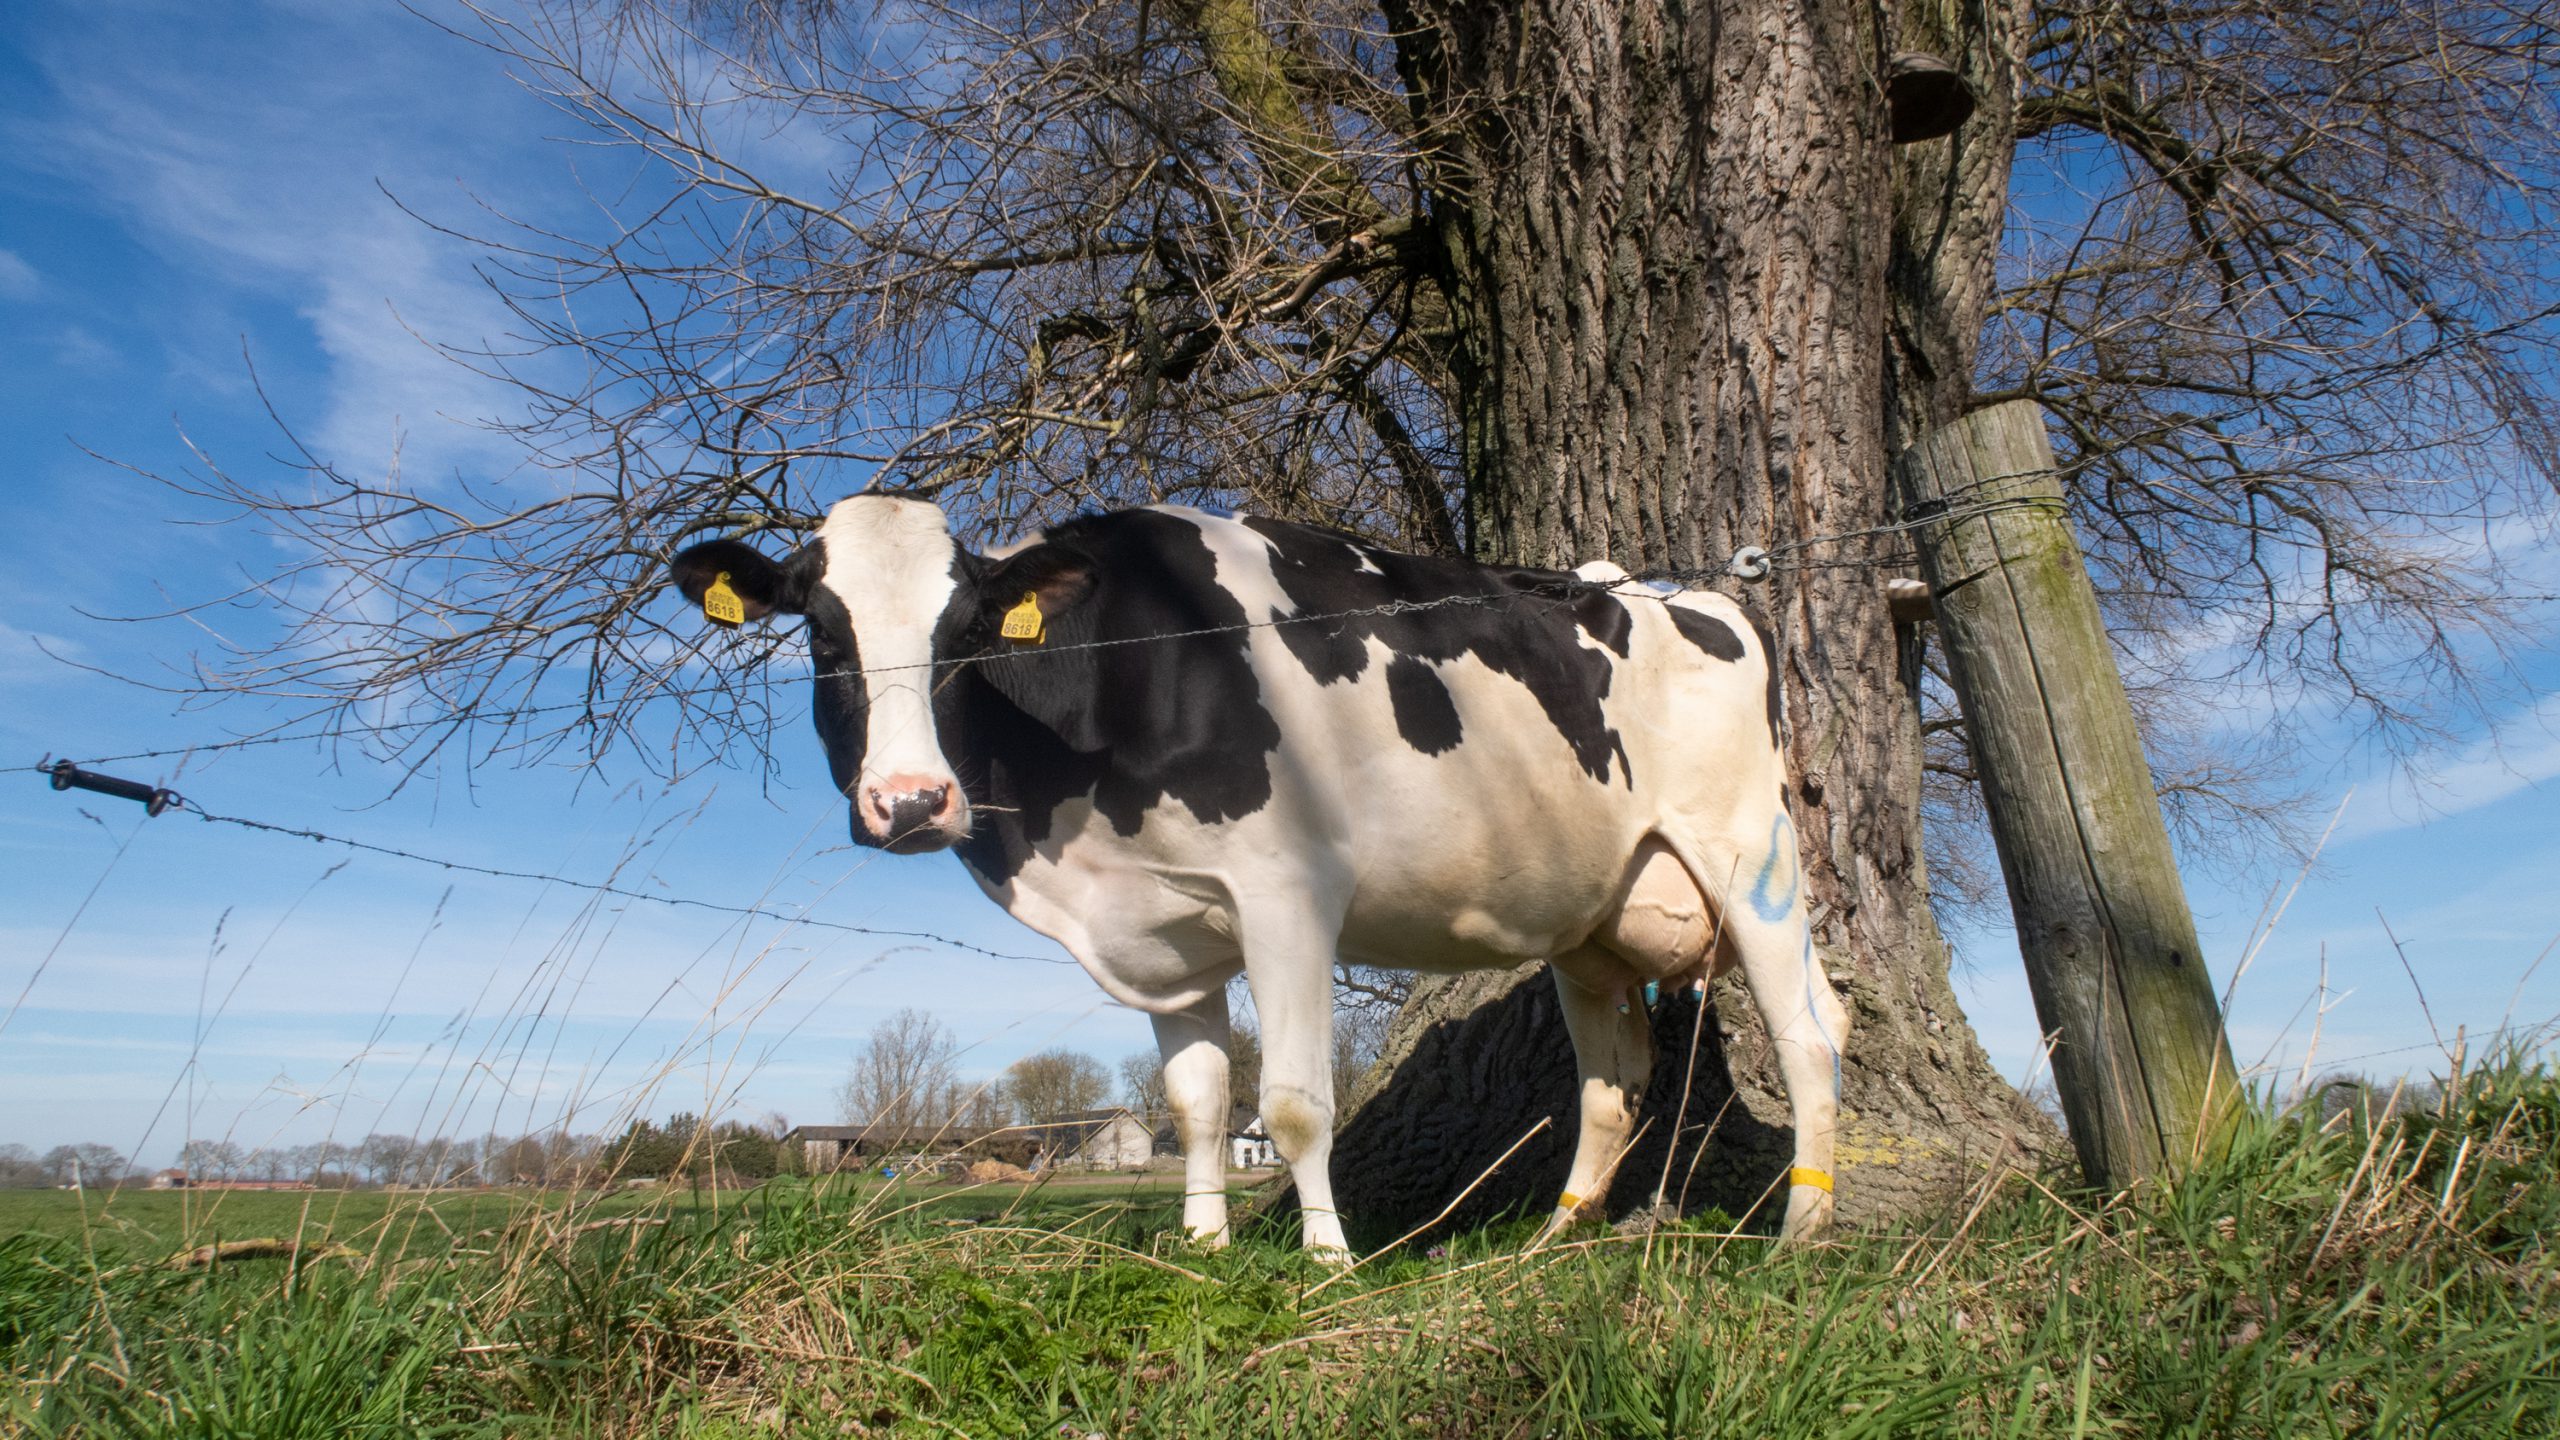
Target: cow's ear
{"x":1056,"y":577}
{"x":733,"y":572}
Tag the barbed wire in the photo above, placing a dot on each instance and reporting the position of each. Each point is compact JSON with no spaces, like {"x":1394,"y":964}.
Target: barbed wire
{"x":169,"y":800}
{"x":180,"y":802}
{"x":510,"y":713}
{"x":2490,"y":1036}
{"x":1631,"y":586}
{"x":298,"y":832}
{"x":1646,"y":585}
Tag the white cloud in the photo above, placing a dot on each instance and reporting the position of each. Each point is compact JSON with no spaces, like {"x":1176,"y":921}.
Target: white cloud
{"x":22,"y":659}
{"x":75,"y":348}
{"x":18,"y":279}
{"x":2520,"y":753}
{"x":261,"y":165}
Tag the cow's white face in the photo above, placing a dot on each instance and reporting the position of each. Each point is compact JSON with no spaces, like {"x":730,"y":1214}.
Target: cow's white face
{"x":891,"y":570}
{"x":882,"y":585}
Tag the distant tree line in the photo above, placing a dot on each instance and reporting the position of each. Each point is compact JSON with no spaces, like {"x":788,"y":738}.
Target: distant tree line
{"x":907,"y":1072}
{"x":554,"y":1158}
{"x":23,"y":1169}
{"x":685,"y":1147}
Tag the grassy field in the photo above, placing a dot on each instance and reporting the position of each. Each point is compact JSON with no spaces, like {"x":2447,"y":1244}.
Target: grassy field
{"x":2390,"y":1279}
{"x":136,"y":1223}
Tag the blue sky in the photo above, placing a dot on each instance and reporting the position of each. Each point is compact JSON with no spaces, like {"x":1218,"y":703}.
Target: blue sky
{"x":185,"y":185}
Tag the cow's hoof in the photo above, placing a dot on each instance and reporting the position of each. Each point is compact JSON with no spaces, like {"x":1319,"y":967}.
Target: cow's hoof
{"x":1557,"y":1223}
{"x":1808,"y":1215}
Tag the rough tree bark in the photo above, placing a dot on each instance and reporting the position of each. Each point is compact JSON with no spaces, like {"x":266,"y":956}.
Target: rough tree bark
{"x":1685,"y":321}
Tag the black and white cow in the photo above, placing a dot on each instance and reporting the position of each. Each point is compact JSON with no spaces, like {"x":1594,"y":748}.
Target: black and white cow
{"x":1175,"y":782}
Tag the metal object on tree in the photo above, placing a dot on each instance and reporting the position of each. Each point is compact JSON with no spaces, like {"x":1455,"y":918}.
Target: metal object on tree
{"x":1926,"y":96}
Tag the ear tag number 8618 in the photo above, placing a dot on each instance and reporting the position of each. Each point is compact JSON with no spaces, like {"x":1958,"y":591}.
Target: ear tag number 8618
{"x":1023,"y":621}
{"x":721,"y":605}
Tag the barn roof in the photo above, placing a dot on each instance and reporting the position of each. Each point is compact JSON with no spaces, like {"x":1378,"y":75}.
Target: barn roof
{"x":1067,"y":1132}
{"x":882,"y":1134}
{"x":1072,"y":1130}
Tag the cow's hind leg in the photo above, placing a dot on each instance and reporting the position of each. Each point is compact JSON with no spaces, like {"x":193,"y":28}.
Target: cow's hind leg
{"x":1194,"y":1045}
{"x":1808,"y":1026}
{"x":1659,"y":930}
{"x":1613,"y":1051}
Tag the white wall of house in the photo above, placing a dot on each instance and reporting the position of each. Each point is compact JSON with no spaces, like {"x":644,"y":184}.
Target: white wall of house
{"x":1123,"y":1143}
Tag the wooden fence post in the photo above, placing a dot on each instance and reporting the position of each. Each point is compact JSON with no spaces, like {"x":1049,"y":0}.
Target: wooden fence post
{"x":2120,"y":986}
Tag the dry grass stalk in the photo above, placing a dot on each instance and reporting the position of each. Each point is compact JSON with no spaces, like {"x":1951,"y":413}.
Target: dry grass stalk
{"x":267,"y":1247}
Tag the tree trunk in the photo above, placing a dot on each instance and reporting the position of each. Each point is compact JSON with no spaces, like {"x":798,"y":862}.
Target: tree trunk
{"x":1684,"y":319}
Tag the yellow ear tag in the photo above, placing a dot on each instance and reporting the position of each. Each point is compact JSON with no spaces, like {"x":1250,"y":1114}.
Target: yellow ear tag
{"x":721,"y":605}
{"x":1023,"y":622}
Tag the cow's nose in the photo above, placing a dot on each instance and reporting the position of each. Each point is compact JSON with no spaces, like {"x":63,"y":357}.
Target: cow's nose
{"x":906,"y":809}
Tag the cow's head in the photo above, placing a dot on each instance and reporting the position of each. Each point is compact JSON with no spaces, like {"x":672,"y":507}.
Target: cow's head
{"x":893,"y":603}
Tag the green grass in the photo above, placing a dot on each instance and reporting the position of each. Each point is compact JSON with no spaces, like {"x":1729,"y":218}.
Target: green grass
{"x":135,"y":1223}
{"x":2389,"y":1280}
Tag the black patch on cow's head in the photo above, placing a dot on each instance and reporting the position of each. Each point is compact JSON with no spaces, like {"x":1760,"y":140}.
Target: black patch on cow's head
{"x":1425,"y":715}
{"x":1708,"y":633}
{"x":840,"y":702}
{"x":1516,"y":622}
{"x":1032,"y":727}
{"x":791,"y":586}
{"x":765,"y":586}
{"x":1056,"y":575}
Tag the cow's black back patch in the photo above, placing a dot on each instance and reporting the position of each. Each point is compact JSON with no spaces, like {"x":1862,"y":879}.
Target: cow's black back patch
{"x":1706,"y":632}
{"x":1425,"y":715}
{"x":1516,"y":622}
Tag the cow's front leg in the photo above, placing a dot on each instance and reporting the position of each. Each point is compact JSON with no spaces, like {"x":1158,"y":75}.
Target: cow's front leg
{"x":1194,"y":1045}
{"x":1292,"y":984}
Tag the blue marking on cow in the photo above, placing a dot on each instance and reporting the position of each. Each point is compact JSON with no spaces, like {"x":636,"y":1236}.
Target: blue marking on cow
{"x":1217,"y":512}
{"x":1765,"y":902}
{"x":1774,"y":909}
{"x":1812,"y":976}
{"x":1662,"y":587}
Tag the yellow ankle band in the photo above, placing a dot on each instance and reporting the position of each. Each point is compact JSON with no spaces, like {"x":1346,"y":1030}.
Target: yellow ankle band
{"x":1818,"y":1179}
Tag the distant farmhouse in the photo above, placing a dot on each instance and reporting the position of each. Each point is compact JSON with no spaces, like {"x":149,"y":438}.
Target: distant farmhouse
{"x":1249,"y":1146}
{"x":177,"y":1180}
{"x":824,"y":1148}
{"x":1110,"y":1139}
